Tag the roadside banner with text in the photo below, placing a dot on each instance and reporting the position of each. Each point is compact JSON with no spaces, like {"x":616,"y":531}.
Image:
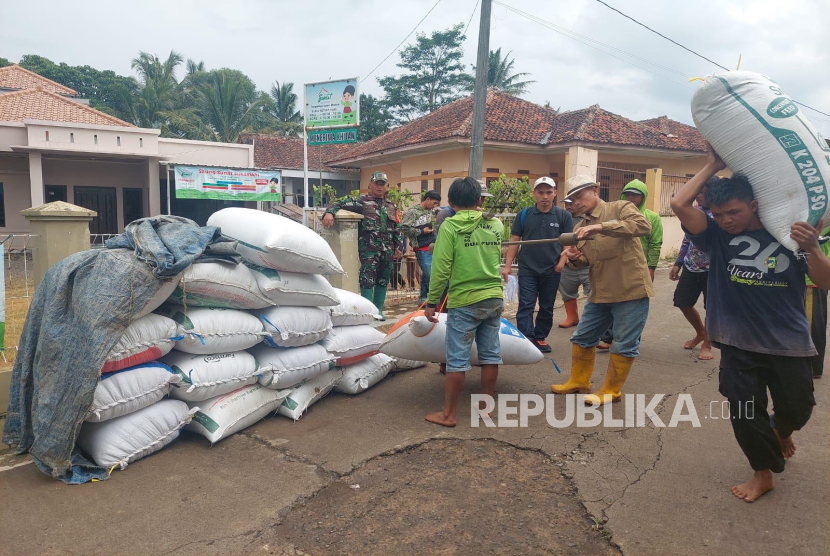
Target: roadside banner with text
{"x":332,"y":136}
{"x":234,"y":184}
{"x":332,"y":104}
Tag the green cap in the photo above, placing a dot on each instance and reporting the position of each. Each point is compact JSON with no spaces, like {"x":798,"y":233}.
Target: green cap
{"x":379,"y":176}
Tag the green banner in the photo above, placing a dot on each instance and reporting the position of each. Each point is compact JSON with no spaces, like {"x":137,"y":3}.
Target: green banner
{"x":332,"y":136}
{"x":234,"y":184}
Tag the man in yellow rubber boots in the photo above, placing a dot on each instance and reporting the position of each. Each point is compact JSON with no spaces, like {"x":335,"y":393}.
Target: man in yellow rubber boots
{"x":620,"y":288}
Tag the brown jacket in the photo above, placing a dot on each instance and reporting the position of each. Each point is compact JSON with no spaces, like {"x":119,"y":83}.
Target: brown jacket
{"x":618,"y":270}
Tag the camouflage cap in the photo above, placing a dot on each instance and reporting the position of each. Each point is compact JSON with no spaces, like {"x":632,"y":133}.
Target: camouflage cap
{"x":379,"y":176}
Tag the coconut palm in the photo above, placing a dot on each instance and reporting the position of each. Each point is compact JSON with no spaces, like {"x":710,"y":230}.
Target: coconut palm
{"x":499,"y":74}
{"x":193,"y":68}
{"x":285,"y":101}
{"x":227,"y":103}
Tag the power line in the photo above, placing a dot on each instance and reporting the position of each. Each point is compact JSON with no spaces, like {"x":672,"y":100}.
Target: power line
{"x":553,"y":28}
{"x":692,"y":51}
{"x":403,"y":41}
{"x":662,"y":35}
{"x":471,"y":17}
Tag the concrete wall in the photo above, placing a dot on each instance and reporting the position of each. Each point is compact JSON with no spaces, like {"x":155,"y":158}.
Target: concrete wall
{"x":106,"y":139}
{"x":672,"y":236}
{"x":206,"y":153}
{"x":11,"y":134}
{"x":14,"y":175}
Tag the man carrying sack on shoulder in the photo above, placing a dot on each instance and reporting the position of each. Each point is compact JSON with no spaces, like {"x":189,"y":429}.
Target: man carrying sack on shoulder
{"x":620,"y":288}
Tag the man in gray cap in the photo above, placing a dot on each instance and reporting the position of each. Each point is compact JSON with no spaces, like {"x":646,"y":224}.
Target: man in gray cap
{"x":620,"y":288}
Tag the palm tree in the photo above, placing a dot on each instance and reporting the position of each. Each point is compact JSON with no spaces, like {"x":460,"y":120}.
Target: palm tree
{"x":227,"y":104}
{"x":500,"y":77}
{"x":286,"y":102}
{"x":193,"y":68}
{"x":148,"y":66}
{"x":159,"y":91}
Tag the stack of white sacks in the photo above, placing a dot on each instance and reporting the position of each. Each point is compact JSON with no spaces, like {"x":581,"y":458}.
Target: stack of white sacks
{"x":234,"y":343}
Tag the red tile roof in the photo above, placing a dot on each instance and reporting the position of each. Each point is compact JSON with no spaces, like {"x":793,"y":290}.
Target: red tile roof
{"x":39,"y":104}
{"x":15,"y":77}
{"x":277,"y":151}
{"x":513,"y":120}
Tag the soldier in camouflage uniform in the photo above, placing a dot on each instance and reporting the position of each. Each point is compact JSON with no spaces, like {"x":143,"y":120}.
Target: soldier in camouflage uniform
{"x":379,"y":240}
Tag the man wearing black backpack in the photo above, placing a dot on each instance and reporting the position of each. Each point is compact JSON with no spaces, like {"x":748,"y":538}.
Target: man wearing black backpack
{"x":538,"y":279}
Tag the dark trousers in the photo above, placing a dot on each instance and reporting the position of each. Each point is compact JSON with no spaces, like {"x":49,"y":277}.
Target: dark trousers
{"x":532,"y":288}
{"x":816,"y":306}
{"x":745,"y":377}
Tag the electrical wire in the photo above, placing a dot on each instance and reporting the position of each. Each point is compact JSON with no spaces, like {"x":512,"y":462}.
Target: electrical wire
{"x":403,"y":41}
{"x":553,"y":28}
{"x":471,"y":17}
{"x":692,"y":51}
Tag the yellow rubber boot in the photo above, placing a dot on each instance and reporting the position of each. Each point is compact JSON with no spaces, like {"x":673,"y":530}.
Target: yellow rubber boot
{"x":582,"y":367}
{"x":618,"y":368}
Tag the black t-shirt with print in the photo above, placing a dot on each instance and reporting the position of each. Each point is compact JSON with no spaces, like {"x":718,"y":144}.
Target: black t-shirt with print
{"x":756,"y":293}
{"x":541,"y":259}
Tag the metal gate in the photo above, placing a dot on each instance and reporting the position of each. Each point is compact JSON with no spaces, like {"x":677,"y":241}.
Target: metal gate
{"x":669,"y":187}
{"x":613,"y":180}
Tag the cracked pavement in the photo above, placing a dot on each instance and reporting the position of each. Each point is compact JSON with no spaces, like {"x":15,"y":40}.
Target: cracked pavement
{"x":656,"y":490}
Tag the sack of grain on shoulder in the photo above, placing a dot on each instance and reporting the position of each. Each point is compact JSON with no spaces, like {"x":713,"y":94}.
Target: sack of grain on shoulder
{"x":123,"y":440}
{"x":276,"y":242}
{"x":146,"y":339}
{"x":361,"y":376}
{"x":208,"y":330}
{"x":762,"y":134}
{"x":202,"y":377}
{"x":219,"y":284}
{"x":415,"y":338}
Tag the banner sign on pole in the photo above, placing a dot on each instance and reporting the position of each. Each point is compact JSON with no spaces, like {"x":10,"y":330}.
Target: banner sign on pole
{"x":230,"y":184}
{"x":332,"y":137}
{"x":332,"y":104}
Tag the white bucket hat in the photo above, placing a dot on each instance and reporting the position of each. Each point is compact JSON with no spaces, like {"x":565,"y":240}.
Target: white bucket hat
{"x":578,"y":183}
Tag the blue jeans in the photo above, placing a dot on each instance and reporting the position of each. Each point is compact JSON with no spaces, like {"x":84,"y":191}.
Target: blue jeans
{"x":544,"y":289}
{"x":629,"y":318}
{"x":480,"y":322}
{"x":425,"y":262}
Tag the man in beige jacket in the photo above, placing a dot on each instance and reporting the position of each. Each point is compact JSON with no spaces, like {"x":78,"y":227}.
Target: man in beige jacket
{"x":620,"y":288}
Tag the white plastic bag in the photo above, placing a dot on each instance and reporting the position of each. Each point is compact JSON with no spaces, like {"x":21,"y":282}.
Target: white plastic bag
{"x":207,"y":376}
{"x":215,"y":284}
{"x":146,"y":339}
{"x":351,"y":344}
{"x":353,"y":310}
{"x":510,"y":289}
{"x":208,"y":330}
{"x":414,"y":337}
{"x":760,"y":133}
{"x":285,"y":367}
{"x":361,"y":376}
{"x":294,"y":326}
{"x":222,"y":416}
{"x":303,"y":395}
{"x":276,"y":242}
{"x":128,"y":390}
{"x":125,"y":439}
{"x":291,"y":288}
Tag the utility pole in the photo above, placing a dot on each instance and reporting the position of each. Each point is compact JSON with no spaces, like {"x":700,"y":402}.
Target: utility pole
{"x":480,"y":93}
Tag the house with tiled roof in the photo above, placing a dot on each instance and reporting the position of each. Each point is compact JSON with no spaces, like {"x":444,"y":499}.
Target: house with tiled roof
{"x":522,"y":138}
{"x":55,"y":147}
{"x":286,"y":154}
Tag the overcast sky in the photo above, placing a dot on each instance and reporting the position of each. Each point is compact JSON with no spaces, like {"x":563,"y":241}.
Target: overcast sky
{"x":312,"y":40}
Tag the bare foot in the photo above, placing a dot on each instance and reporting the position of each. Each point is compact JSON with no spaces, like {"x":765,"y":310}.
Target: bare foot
{"x":757,"y":486}
{"x":693,"y":342}
{"x":440,"y":419}
{"x":787,"y":445}
{"x":705,"y":352}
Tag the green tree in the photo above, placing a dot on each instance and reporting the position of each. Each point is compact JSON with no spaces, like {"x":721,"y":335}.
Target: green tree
{"x":160,"y":94}
{"x":500,"y":76}
{"x":4,"y":62}
{"x":510,"y":195}
{"x":434,"y":75}
{"x":227,"y":104}
{"x":375,"y":118}
{"x":284,"y":109}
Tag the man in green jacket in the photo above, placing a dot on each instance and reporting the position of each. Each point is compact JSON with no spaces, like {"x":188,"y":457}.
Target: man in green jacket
{"x":636,"y":192}
{"x":467,"y":254}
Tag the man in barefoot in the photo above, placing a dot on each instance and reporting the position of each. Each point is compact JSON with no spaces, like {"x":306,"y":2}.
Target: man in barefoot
{"x":691,"y":272}
{"x":467,"y":254}
{"x":755,"y":316}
